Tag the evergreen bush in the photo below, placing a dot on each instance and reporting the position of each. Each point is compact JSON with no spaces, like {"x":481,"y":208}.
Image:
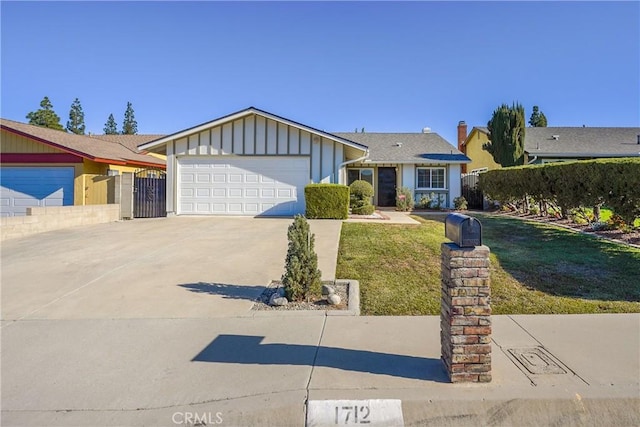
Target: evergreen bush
{"x":327,"y":201}
{"x":361,"y":193}
{"x":301,"y":277}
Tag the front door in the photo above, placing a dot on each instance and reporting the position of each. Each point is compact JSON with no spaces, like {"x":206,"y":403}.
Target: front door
{"x":386,"y":187}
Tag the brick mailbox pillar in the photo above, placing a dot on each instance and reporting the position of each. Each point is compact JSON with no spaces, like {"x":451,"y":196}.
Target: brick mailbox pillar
{"x":465,"y":317}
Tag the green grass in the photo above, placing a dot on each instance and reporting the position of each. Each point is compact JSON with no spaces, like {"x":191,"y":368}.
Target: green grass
{"x":535,"y":268}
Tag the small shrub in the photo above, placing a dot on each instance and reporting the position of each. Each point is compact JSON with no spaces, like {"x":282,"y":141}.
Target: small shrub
{"x":367,"y":209}
{"x":460,"y":203}
{"x":404,"y":199}
{"x":327,"y":201}
{"x":301,"y":277}
{"x":616,"y":222}
{"x":424,"y":202}
{"x":361,"y":190}
{"x":361,"y":193}
{"x":534,"y":210}
{"x":436,"y":201}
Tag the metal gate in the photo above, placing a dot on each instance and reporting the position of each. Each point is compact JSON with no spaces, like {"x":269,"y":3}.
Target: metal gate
{"x":471,"y":192}
{"x":149,"y":193}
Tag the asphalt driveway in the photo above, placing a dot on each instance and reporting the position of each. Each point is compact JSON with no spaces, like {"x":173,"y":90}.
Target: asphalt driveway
{"x":180,"y":267}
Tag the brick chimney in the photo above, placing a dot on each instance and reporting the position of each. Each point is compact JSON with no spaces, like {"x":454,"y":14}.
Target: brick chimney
{"x":462,"y":136}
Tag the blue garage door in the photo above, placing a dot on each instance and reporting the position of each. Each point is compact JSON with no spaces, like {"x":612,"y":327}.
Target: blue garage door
{"x":25,"y":187}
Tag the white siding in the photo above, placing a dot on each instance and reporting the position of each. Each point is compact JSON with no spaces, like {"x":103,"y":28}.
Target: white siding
{"x":181,"y":146}
{"x":326,"y":160}
{"x":454,"y":177}
{"x":305,"y":140}
{"x":283,"y":131}
{"x":193,"y":144}
{"x":216,"y":140}
{"x":227,"y":135}
{"x":408,"y":176}
{"x":272,"y":141}
{"x":315,"y":160}
{"x":294,"y":141}
{"x":238,"y":142}
{"x":261,"y":135}
{"x":249,"y":135}
{"x":205,"y":141}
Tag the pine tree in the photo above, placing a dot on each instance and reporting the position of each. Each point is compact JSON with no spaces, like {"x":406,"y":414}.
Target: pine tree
{"x":111,"y":128}
{"x":129,"y":126}
{"x":301,"y":276}
{"x":76,"y":118}
{"x":506,"y":135}
{"x":537,"y":119}
{"x":45,"y":116}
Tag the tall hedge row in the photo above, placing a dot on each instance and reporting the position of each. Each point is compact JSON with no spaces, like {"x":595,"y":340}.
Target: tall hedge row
{"x":614,"y":183}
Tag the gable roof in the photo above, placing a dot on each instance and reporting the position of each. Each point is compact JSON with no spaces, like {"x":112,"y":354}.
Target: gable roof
{"x":407,"y":148}
{"x":481,"y":129}
{"x":97,"y":150}
{"x":582,"y":141}
{"x":238,"y":115}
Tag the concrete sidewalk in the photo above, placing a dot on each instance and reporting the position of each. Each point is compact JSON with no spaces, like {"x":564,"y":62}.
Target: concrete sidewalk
{"x":262,"y":371}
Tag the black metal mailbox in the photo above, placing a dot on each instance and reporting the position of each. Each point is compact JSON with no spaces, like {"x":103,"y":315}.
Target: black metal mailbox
{"x":463,"y":230}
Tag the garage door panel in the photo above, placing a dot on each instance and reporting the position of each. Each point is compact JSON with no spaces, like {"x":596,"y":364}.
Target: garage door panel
{"x":23,"y":187}
{"x":243,"y":186}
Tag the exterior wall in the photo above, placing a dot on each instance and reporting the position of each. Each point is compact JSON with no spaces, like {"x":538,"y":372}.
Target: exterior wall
{"x":12,"y":143}
{"x":256,"y":136}
{"x":480,"y":158}
{"x":406,"y":176}
{"x":455,"y":184}
{"x":40,"y":220}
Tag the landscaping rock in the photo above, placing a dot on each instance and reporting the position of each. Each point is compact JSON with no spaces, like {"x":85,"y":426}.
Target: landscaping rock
{"x":328,"y":290}
{"x":333,"y":299}
{"x":277,"y":300}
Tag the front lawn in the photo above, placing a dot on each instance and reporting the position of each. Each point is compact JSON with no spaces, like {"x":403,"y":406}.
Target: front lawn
{"x":535,"y":268}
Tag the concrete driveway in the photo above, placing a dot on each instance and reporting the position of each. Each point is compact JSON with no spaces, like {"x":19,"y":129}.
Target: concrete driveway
{"x":180,"y":267}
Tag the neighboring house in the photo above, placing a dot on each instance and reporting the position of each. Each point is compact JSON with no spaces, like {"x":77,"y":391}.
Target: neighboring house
{"x":471,"y":146}
{"x":256,"y":163}
{"x":46,"y":167}
{"x":553,"y":144}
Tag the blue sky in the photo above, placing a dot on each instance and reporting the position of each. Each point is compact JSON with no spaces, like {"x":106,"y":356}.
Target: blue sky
{"x":387,"y":67}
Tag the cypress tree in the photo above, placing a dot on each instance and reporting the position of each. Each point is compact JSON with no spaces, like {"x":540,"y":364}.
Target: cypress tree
{"x":111,"y":128}
{"x":76,"y":118}
{"x":301,"y":277}
{"x":129,"y":125}
{"x":45,"y":116}
{"x":506,"y":135}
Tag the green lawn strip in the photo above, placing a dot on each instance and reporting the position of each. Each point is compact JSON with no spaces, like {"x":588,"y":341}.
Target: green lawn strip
{"x":535,"y":268}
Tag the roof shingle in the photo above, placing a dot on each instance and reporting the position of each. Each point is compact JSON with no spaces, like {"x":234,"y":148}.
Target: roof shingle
{"x":82,"y":145}
{"x":407,"y":147}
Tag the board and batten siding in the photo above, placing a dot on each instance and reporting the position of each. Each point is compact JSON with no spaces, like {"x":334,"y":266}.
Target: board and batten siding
{"x":256,"y":136}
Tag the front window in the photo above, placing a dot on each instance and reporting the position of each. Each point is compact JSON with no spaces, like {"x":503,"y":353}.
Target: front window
{"x":432,"y":178}
{"x":363,"y":174}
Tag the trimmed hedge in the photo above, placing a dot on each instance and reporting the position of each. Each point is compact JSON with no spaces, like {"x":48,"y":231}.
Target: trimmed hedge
{"x":327,"y":201}
{"x":614,"y":183}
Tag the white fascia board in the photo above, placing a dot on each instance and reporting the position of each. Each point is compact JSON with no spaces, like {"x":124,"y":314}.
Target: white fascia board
{"x":243,"y":113}
{"x":413,"y":162}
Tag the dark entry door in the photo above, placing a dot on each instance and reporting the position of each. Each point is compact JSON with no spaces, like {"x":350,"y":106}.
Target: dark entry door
{"x":386,"y":186}
{"x":150,"y":189}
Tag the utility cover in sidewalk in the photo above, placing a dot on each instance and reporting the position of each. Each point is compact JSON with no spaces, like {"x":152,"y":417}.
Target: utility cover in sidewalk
{"x":370,"y":413}
{"x":536,"y":360}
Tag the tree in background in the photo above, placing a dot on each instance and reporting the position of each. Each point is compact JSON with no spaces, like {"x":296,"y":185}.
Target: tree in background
{"x":506,"y":135}
{"x":538,"y":119}
{"x":45,"y":116}
{"x":129,"y":126}
{"x":76,"y":118}
{"x":111,"y":128}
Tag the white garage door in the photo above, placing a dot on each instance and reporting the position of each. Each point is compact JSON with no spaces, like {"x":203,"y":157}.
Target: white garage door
{"x":23,"y":187}
{"x":270,"y":186}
